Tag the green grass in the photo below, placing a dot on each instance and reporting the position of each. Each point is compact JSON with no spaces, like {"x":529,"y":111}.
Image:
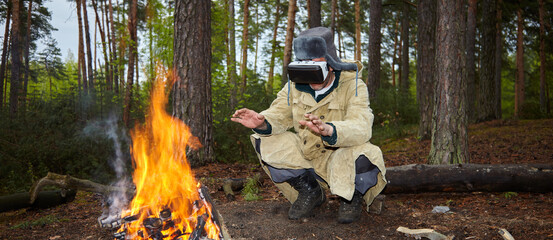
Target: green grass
{"x":46,"y":220}
{"x":251,"y":190}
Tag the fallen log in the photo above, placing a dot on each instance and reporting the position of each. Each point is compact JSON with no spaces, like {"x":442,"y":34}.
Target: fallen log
{"x":68,"y":182}
{"x":415,"y":178}
{"x":44,"y":199}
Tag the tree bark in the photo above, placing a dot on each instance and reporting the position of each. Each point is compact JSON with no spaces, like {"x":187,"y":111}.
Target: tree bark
{"x":357,"y":30}
{"x":426,"y":57}
{"x":192,"y":61}
{"x":113,"y":61}
{"x":274,"y":45}
{"x":486,"y":97}
{"x":15,"y":82}
{"x":23,"y":99}
{"x":131,"y":63}
{"x":543,"y":107}
{"x":395,"y":53}
{"x":104,"y":47}
{"x":498,"y":59}
{"x":231,"y":60}
{"x":314,"y":12}
{"x":81,"y":55}
{"x":449,"y":124}
{"x":257,"y":32}
{"x":244,"y":64}
{"x":5,"y":53}
{"x":471,"y":64}
{"x":375,"y":39}
{"x":120,"y":65}
{"x":416,"y":178}
{"x":89,"y":61}
{"x":519,"y":82}
{"x":289,"y":38}
{"x":404,"y":79}
{"x":333,"y":16}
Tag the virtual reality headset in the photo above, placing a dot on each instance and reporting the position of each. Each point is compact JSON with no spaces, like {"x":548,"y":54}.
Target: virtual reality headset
{"x":307,"y":71}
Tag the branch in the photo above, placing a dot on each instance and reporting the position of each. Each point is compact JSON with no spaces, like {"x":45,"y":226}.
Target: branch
{"x":425,"y":232}
{"x":68,"y":182}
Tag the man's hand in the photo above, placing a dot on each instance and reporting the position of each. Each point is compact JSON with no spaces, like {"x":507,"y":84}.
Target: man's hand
{"x":249,"y":119}
{"x":317,"y":125}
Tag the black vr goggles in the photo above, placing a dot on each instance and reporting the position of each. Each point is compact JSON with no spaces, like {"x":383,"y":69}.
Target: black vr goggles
{"x":307,"y":71}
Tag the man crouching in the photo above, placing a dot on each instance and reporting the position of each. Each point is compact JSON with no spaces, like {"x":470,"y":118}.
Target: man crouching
{"x":328,"y":108}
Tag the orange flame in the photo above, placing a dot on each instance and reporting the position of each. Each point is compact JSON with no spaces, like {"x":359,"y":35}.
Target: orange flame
{"x":162,"y":175}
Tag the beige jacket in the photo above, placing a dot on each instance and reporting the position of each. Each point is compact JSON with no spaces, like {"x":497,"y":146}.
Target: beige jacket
{"x":347,"y":108}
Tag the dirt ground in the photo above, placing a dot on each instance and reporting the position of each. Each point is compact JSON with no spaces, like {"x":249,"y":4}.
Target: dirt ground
{"x":476,"y":215}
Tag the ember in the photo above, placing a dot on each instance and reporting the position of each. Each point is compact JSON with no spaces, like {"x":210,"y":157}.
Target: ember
{"x":169,"y":203}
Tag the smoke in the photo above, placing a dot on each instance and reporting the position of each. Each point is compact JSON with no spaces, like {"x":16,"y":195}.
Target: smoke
{"x":116,"y":201}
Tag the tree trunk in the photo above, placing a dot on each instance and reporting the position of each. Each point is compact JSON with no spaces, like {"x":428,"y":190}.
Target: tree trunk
{"x":395,"y":53}
{"x":471,"y":64}
{"x":88,"y":51}
{"x":113,"y":61}
{"x":150,"y":26}
{"x":270,"y":80}
{"x":449,"y":125}
{"x":23,"y":97}
{"x":339,"y":33}
{"x":404,"y":81}
{"x":357,"y":30}
{"x":105,"y":24}
{"x":289,"y":38}
{"x":416,"y":178}
{"x":104,"y":47}
{"x":542,"y":57}
{"x":120,"y":65}
{"x":130,"y":66}
{"x":486,"y":97}
{"x":15,"y":82}
{"x":256,"y":37}
{"x":244,"y":65}
{"x":192,"y":61}
{"x":519,"y":82}
{"x":81,"y":62}
{"x":314,"y":12}
{"x":333,"y":16}
{"x":375,"y":39}
{"x":5,"y":51}
{"x":426,"y":58}
{"x":95,"y":46}
{"x":498,"y":59}
{"x":231,"y":60}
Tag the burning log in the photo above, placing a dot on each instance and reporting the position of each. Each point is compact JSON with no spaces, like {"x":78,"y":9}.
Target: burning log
{"x":162,"y":225}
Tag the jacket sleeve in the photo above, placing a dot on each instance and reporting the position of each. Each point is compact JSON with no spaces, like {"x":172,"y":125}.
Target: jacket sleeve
{"x":279,"y":114}
{"x":356,"y":126}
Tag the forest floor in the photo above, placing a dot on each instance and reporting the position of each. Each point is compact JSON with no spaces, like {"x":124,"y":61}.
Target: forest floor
{"x":477,"y":215}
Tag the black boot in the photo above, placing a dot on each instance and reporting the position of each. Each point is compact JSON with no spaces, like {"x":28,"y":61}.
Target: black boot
{"x":310,"y":195}
{"x":350,"y":211}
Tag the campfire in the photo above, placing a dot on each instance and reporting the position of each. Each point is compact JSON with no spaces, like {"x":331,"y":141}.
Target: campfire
{"x":168,"y":203}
